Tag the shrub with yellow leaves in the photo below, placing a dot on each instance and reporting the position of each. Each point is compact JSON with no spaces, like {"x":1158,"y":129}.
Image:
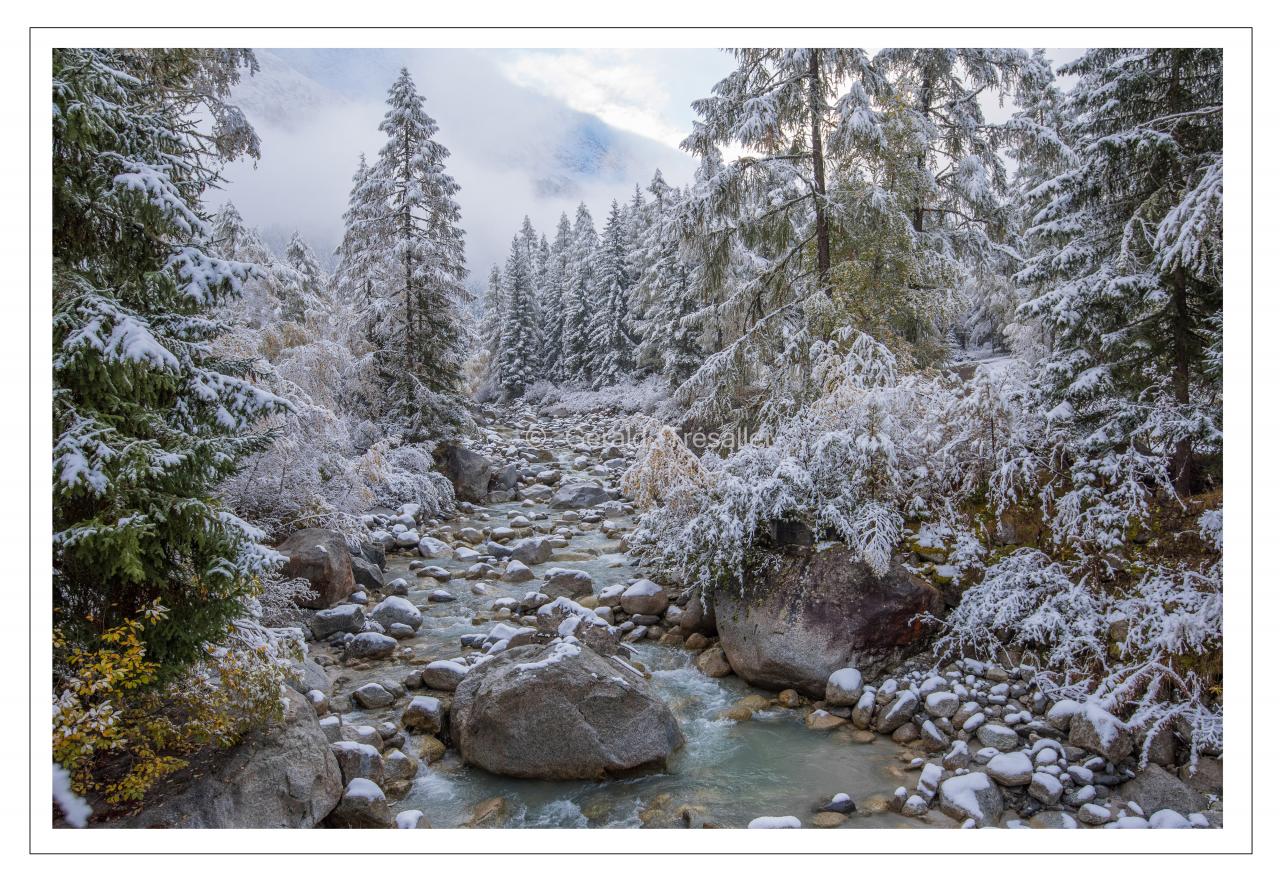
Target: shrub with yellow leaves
{"x":118,"y":730}
{"x":664,"y":469}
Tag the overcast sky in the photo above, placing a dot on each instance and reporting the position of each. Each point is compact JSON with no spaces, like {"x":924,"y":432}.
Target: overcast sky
{"x":530,"y":131}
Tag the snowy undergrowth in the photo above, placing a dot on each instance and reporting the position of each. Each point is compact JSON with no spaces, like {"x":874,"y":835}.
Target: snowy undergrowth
{"x":642,"y":396}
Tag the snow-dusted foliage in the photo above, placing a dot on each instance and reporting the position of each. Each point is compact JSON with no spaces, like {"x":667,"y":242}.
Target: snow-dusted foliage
{"x":873,"y":450}
{"x":147,"y":418}
{"x":404,"y":264}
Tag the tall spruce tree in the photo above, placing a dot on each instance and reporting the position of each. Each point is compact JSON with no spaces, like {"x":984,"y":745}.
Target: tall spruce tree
{"x":145,"y":420}
{"x":519,"y":343}
{"x":554,"y":302}
{"x":611,"y":342}
{"x":1130,"y":270}
{"x":579,"y":286}
{"x":415,"y":254}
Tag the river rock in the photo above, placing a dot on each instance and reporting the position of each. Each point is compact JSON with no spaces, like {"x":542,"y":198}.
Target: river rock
{"x":363,"y":805}
{"x":320,"y":556}
{"x":283,"y":776}
{"x":560,"y":711}
{"x":397,"y":609}
{"x":1155,"y":788}
{"x":971,"y":796}
{"x":573,"y":496}
{"x":340,"y":618}
{"x":531,"y":551}
{"x":372,"y":696}
{"x":467,"y":470}
{"x":371,"y":646}
{"x":844,"y":687}
{"x":815,"y":612}
{"x":713,"y":663}
{"x":434,"y":548}
{"x":1100,"y":732}
{"x":566,"y":582}
{"x":644,"y":597}
{"x":366,"y":574}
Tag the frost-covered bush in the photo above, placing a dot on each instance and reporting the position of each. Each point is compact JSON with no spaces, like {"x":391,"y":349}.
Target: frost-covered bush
{"x":873,"y":450}
{"x":1144,"y":652}
{"x":644,"y":396}
{"x":664,"y":469}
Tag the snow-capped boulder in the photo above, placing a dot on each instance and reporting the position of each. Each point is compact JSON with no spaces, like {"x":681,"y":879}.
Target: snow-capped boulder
{"x":971,"y":796}
{"x":815,"y":612}
{"x":397,"y":609}
{"x":644,"y":597}
{"x":363,"y":805}
{"x":567,"y":582}
{"x":844,"y":687}
{"x":561,"y":711}
{"x":1102,"y":733}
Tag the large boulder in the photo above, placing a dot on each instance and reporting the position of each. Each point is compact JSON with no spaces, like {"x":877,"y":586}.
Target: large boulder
{"x":1155,"y":788}
{"x":573,"y":496}
{"x":284,"y":776}
{"x":812,"y":613}
{"x":560,"y":711}
{"x":468,"y":471}
{"x":320,"y":556}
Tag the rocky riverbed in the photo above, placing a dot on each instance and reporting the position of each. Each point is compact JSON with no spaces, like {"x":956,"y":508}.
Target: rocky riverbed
{"x":511,"y":667}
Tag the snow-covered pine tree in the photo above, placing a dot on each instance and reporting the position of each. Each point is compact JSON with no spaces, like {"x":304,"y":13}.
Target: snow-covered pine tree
{"x":770,"y":213}
{"x":671,"y":334}
{"x":943,"y":170}
{"x":611,"y":344}
{"x":309,"y":290}
{"x":576,"y":298}
{"x":145,"y":420}
{"x":519,"y":342}
{"x":552,"y":307}
{"x":359,"y":272}
{"x":416,"y":252}
{"x":1132,"y":266}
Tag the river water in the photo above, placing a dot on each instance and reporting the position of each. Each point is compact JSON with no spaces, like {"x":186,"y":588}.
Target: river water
{"x":728,"y":772}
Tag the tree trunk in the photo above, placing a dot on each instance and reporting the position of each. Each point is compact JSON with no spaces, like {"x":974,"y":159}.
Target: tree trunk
{"x":817,"y":106}
{"x":1182,"y":465}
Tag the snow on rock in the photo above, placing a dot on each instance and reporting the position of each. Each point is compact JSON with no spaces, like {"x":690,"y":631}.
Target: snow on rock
{"x":774,"y":822}
{"x":971,"y":796}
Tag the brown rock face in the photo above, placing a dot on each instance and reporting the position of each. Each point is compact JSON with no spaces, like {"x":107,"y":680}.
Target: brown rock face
{"x":812,"y":613}
{"x":320,"y":556}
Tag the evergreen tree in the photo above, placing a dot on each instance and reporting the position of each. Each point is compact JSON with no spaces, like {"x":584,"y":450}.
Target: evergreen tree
{"x":610,"y":336}
{"x":554,"y":302}
{"x":145,"y":420}
{"x":360,"y":271}
{"x":576,"y":356}
{"x":671,"y":343}
{"x":1130,"y":270}
{"x":309,"y":288}
{"x":415,"y":252}
{"x":519,"y":343}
